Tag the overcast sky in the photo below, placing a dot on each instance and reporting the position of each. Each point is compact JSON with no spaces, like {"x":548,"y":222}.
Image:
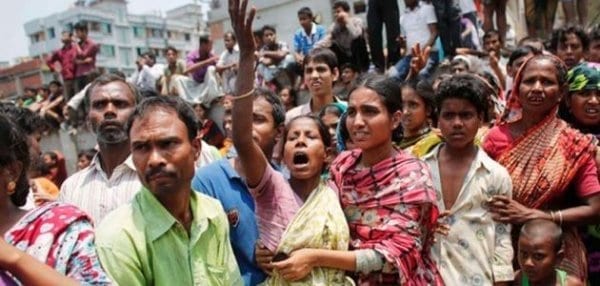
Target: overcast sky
{"x":15,"y":13}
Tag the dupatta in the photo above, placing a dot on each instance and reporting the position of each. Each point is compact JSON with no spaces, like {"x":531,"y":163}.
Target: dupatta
{"x":391,"y":208}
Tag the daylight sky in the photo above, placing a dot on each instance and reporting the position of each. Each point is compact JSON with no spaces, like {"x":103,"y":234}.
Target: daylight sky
{"x":15,"y":13}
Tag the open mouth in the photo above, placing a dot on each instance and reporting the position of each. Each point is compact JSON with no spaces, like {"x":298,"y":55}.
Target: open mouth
{"x":592,"y":111}
{"x":300,"y":158}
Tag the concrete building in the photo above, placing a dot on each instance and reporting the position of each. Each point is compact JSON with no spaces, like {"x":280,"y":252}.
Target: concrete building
{"x":282,"y":14}
{"x":121,"y":36}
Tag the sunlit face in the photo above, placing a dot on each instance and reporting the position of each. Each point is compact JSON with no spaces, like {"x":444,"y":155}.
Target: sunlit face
{"x":264,"y":130}
{"x":571,"y":50}
{"x":414,"y":112}
{"x":492,"y":44}
{"x":286,"y":97}
{"x":459,"y":68}
{"x":162,"y":152}
{"x":229,"y":42}
{"x":83,"y":162}
{"x":111,"y":105}
{"x":459,"y":122}
{"x":54,"y":89}
{"x":537,"y":257}
{"x":305,"y":21}
{"x":319,"y":78}
{"x":594,"y":52}
{"x":539,"y":90}
{"x":369,"y":123}
{"x":331,"y":121}
{"x":348,"y":75}
{"x":228,"y":125}
{"x":585,"y":107}
{"x":304,"y":152}
{"x":171,"y":56}
{"x":339,"y":14}
{"x":269,"y":37}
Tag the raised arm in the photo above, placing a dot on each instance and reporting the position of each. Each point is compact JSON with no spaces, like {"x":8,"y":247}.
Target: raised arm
{"x":252,"y":159}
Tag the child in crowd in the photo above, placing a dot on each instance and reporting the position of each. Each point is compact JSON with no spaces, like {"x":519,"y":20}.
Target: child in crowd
{"x":84,"y":158}
{"x":540,"y":250}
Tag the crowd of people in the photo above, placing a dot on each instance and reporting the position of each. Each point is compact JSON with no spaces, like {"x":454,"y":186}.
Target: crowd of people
{"x":449,"y":158}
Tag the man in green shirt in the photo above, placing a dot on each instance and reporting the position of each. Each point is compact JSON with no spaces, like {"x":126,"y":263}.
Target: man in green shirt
{"x":168,"y":234}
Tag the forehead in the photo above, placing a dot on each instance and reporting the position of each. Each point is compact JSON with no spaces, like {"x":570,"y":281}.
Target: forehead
{"x":570,"y":38}
{"x":365,"y":96}
{"x":457,"y":105}
{"x":316,"y":64}
{"x":263,"y":107}
{"x":538,"y":242}
{"x":112,"y":90}
{"x":268,"y":32}
{"x":303,"y":124}
{"x":540,"y":64}
{"x":492,"y":38}
{"x":157,"y":123}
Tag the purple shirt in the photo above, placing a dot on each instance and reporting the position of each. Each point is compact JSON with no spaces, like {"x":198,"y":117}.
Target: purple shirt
{"x":276,"y":206}
{"x":194,"y":57}
{"x":89,"y":49}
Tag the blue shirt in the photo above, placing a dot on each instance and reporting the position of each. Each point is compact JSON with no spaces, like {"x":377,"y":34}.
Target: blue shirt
{"x":304,"y":43}
{"x":220,"y":181}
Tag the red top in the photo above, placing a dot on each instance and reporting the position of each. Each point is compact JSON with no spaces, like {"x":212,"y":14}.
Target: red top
{"x":66,"y":57}
{"x":89,"y":49}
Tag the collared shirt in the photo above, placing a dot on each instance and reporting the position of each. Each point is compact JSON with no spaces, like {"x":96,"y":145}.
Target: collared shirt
{"x":477,"y":250}
{"x":305,"y":109}
{"x":145,"y":79}
{"x":303,"y":43}
{"x":194,"y":57}
{"x":141,"y":243}
{"x":342,"y":36}
{"x":66,"y":57}
{"x":89,"y":49}
{"x":220,"y":181}
{"x":93,"y":192}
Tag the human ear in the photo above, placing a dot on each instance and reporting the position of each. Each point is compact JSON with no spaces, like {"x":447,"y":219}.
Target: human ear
{"x":396,"y":119}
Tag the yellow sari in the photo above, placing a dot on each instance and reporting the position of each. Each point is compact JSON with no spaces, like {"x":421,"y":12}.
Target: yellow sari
{"x":319,"y":224}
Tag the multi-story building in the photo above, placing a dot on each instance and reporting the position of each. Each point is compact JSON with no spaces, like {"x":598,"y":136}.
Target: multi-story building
{"x":121,"y":36}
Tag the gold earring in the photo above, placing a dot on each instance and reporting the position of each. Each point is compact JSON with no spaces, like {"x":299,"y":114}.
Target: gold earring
{"x":10,"y":187}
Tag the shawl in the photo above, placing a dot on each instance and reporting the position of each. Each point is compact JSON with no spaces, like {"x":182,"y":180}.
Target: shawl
{"x":319,"y":224}
{"x":391,"y":208}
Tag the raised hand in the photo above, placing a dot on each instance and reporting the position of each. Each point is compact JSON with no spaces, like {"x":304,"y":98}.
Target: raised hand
{"x":242,"y":25}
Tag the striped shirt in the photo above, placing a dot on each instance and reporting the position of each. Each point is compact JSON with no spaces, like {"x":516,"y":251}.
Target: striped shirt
{"x":93,"y":192}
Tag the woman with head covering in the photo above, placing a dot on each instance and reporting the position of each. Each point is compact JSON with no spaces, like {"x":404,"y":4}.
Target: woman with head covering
{"x":548,"y":161}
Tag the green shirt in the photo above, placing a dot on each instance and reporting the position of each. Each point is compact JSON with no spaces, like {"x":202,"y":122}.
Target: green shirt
{"x":141,"y":243}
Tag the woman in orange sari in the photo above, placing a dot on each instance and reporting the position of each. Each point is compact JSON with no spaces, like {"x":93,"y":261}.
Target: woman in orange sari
{"x":549,"y":162}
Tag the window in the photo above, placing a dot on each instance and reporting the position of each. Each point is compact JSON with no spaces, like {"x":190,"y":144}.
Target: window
{"x":139,"y":32}
{"x":94,"y":26}
{"x":106,"y":28}
{"x":140,"y":51}
{"x":51,"y":34}
{"x":155,"y":33}
{"x":125,"y":56}
{"x":38,"y":37}
{"x":107,"y":51}
{"x":123,"y":35}
{"x":187,"y":37}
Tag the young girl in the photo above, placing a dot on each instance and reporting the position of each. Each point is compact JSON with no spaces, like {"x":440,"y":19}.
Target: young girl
{"x":418,"y":115}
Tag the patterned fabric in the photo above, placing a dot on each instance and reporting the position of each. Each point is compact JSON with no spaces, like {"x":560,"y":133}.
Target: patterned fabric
{"x":61,"y":236}
{"x":585,"y":76}
{"x":477,"y":249}
{"x":319,"y":224}
{"x":391,"y":208}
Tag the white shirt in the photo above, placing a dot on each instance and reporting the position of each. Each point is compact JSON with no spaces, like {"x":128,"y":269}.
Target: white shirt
{"x":147,"y":76}
{"x":96,"y":194}
{"x":228,"y":58}
{"x":415,"y":24}
{"x":477,"y":250}
{"x":467,"y":6}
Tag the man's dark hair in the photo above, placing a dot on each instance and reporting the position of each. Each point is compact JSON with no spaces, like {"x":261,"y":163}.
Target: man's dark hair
{"x":349,"y":66}
{"x":88,"y":153}
{"x":322,"y":55}
{"x":55,"y":82}
{"x":559,"y":36}
{"x":463,"y":86}
{"x":490,"y":34}
{"x":30,"y":89}
{"x":204,"y":39}
{"x":67,"y":32}
{"x":268,"y":28}
{"x":28,"y":121}
{"x":81,"y":26}
{"x":106,"y":79}
{"x":521,"y":52}
{"x":15,"y":149}
{"x":341,"y":4}
{"x":171,"y":48}
{"x":278,"y":112}
{"x":305,"y":11}
{"x":257,"y":33}
{"x":184,"y":111}
{"x":151,"y":55}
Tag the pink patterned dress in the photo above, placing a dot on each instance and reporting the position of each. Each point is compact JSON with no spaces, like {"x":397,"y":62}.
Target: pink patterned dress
{"x":62,"y":236}
{"x":391,"y":208}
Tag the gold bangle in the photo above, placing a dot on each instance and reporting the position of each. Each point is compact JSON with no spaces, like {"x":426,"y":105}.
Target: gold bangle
{"x":251,"y":92}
